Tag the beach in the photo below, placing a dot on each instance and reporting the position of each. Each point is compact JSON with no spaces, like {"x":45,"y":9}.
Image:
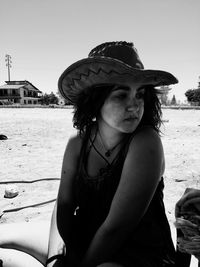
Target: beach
{"x":36,"y":143}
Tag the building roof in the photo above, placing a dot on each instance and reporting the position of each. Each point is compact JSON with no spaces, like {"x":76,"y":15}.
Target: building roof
{"x":18,"y":84}
{"x":11,"y":86}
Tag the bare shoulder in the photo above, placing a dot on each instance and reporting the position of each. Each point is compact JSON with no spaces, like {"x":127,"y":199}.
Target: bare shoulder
{"x":146,"y":138}
{"x":72,"y":153}
{"x":75,"y":140}
{"x":146,"y":145}
{"x":147,"y":133}
{"x":74,"y":145}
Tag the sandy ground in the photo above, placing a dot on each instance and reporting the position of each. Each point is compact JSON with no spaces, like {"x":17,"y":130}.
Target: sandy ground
{"x":36,"y":143}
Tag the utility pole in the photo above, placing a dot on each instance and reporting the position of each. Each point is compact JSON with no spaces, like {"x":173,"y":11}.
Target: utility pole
{"x":8,"y":64}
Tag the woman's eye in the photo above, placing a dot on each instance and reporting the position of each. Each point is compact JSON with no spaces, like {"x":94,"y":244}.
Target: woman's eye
{"x":120,"y":96}
{"x":140,"y":95}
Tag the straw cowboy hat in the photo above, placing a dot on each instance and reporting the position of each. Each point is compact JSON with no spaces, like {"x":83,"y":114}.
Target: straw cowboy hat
{"x":111,"y":63}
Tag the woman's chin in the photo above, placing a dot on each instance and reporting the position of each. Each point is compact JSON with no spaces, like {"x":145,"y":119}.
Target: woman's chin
{"x":129,"y":126}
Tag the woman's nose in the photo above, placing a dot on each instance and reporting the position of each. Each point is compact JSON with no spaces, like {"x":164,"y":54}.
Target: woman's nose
{"x":133,"y":105}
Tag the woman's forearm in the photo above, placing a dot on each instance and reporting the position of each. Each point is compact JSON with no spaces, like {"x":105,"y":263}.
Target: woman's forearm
{"x":64,"y":222}
{"x":56,"y":244}
{"x":55,"y":240}
{"x":65,"y":228}
{"x":105,"y":243}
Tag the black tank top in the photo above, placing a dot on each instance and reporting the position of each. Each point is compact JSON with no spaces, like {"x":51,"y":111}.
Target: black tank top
{"x":94,"y":196}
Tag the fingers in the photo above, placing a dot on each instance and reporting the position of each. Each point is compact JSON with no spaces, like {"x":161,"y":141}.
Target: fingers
{"x":191,"y":246}
{"x":181,"y":203}
{"x":189,"y":204}
{"x":191,"y":197}
{"x":195,"y":201}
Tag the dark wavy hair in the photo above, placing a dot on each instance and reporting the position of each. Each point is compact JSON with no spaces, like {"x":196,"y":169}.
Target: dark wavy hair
{"x":89,"y":104}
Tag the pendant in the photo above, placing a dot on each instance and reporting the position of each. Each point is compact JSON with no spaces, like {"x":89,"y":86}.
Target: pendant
{"x":108,"y":153}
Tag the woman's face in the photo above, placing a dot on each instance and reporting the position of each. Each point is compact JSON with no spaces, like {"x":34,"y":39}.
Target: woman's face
{"x":124,"y":107}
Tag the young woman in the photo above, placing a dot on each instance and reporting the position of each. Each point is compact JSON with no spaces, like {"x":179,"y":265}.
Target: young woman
{"x":110,"y":210}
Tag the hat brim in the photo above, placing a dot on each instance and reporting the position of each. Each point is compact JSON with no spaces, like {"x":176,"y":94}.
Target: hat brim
{"x":89,"y":72}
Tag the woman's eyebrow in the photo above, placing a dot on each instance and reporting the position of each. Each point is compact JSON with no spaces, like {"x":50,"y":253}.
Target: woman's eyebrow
{"x":125,"y":88}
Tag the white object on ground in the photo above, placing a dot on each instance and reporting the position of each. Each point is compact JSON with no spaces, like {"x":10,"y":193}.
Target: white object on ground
{"x":11,"y":191}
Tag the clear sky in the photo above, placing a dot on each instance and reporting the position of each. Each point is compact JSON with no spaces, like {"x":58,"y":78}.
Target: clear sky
{"x":44,"y":37}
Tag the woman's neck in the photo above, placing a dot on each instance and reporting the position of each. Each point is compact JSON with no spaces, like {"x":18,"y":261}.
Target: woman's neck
{"x":110,"y":136}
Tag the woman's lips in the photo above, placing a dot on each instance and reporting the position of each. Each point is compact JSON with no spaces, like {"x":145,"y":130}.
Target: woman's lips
{"x":131,"y":119}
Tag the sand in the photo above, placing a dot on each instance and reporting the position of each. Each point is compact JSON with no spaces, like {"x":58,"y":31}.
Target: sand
{"x":36,"y":142}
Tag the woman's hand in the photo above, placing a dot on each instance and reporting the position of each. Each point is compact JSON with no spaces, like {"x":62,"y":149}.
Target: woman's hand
{"x":189,"y":202}
{"x":187,"y":212}
{"x":190,"y":245}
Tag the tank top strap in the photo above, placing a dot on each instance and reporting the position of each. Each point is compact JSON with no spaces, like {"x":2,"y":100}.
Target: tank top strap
{"x":124,"y":149}
{"x":83,"y":151}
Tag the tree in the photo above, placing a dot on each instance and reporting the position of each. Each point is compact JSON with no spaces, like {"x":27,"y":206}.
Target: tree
{"x":53,"y":99}
{"x":193,"y":96}
{"x":173,"y":101}
{"x":48,"y":99}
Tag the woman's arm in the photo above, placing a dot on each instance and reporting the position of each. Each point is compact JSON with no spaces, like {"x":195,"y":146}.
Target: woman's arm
{"x":66,"y":194}
{"x":66,"y":203}
{"x":56,"y":244}
{"x":142,"y":170}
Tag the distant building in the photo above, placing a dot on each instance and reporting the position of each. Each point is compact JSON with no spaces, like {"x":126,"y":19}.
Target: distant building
{"x":19,"y":92}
